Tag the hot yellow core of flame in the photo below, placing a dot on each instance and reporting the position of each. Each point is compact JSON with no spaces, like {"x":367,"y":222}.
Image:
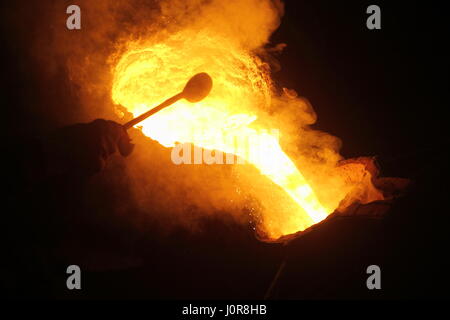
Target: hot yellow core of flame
{"x":148,"y":74}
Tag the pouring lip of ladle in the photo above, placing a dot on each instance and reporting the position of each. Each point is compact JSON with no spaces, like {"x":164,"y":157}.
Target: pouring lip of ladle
{"x":195,"y":90}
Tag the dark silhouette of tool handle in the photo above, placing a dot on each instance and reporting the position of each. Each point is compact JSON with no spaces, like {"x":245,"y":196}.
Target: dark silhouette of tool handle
{"x":195,"y":90}
{"x":144,"y":116}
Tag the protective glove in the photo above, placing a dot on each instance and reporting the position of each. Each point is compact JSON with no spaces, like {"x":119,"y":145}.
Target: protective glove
{"x":84,"y":148}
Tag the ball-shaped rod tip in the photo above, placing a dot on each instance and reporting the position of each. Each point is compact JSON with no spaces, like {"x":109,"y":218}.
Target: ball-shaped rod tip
{"x":198,"y":87}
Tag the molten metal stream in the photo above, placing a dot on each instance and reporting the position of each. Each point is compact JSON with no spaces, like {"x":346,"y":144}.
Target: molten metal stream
{"x":146,"y":74}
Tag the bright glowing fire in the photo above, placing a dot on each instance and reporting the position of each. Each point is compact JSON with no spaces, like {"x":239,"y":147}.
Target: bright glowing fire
{"x":152,"y":71}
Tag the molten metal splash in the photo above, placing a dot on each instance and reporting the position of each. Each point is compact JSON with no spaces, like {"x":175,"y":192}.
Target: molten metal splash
{"x":237,"y":109}
{"x":147,"y":75}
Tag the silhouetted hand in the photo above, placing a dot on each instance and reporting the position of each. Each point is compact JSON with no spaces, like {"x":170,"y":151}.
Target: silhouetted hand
{"x":85,"y":147}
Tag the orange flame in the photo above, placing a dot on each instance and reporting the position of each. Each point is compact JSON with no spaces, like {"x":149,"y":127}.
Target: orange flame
{"x":237,"y":109}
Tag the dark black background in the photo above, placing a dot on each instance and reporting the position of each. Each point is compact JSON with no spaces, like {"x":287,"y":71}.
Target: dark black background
{"x":383,"y":92}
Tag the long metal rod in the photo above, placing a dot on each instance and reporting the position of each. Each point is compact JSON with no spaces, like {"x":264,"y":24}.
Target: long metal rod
{"x":269,"y":292}
{"x":144,"y":116}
